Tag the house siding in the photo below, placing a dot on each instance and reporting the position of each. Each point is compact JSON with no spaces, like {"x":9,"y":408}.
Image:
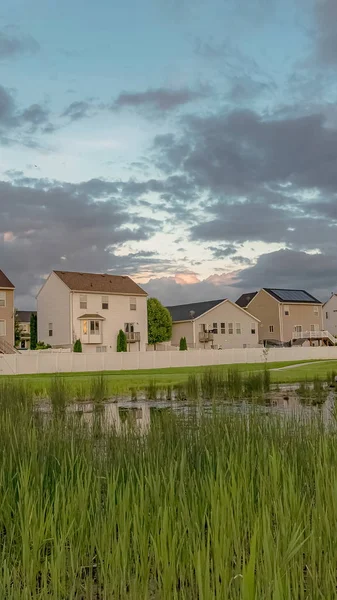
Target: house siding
{"x":53,"y":306}
{"x":266,"y":308}
{"x":330,"y":322}
{"x":180,"y":330}
{"x":115,"y":316}
{"x":7,"y":315}
{"x":300,"y":314}
{"x":228,"y":312}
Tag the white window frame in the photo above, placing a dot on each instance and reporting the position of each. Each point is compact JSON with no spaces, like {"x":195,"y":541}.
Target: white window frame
{"x":286,"y":310}
{"x":50,"y":329}
{"x":230,"y":328}
{"x":253,"y":328}
{"x":96,"y":331}
{"x":133,"y":303}
{"x":223,"y":328}
{"x":314,"y":327}
{"x":3,"y":299}
{"x":298,"y":328}
{"x":271,"y":328}
{"x":105,"y":300}
{"x":215,"y":328}
{"x":238,"y":329}
{"x":100,"y":348}
{"x":83,"y":303}
{"x":129,"y":327}
{"x":4,"y":328}
{"x":316,"y":311}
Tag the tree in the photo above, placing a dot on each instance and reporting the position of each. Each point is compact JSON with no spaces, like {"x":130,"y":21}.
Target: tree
{"x":33,"y":331}
{"x":183,"y":344}
{"x":17,"y":328}
{"x":122,"y":345}
{"x":78,"y":346}
{"x":159,"y":322}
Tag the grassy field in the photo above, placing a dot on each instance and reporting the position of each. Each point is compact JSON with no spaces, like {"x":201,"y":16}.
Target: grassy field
{"x":121,"y":382}
{"x":231,"y":507}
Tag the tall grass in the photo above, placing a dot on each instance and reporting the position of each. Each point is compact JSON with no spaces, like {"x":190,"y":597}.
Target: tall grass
{"x":225,"y":506}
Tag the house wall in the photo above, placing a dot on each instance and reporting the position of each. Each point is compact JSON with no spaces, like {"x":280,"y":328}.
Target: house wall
{"x":53,"y":306}
{"x":330,"y":315}
{"x":25,"y":329}
{"x":7,"y":315}
{"x":115,"y":316}
{"x":228,"y":312}
{"x":299,"y":314}
{"x":180,"y":330}
{"x":266,"y":308}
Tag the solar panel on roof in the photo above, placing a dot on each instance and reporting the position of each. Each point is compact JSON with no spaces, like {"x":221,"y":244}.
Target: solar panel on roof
{"x":293,"y":295}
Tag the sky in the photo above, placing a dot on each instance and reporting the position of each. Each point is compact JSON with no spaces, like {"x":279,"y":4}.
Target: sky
{"x":189,"y":144}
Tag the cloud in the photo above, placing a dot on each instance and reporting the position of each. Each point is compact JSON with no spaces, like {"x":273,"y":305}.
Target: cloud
{"x":326,"y":31}
{"x":160,"y":100}
{"x":55,"y":219}
{"x":21,"y":122}
{"x":78,"y":110}
{"x":14,"y":43}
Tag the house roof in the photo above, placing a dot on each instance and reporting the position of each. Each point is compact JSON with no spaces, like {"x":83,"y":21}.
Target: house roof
{"x":292,"y":296}
{"x":91,"y":316}
{"x":23,"y":316}
{"x":244,"y":300}
{"x":4,"y":281}
{"x":189,"y":312}
{"x":96,"y":282}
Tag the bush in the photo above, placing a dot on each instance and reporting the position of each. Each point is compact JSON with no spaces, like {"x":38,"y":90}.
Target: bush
{"x":122,"y":345}
{"x":42,"y":346}
{"x":78,"y":346}
{"x":183,"y":344}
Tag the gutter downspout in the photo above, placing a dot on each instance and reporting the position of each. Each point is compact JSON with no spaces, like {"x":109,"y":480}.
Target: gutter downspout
{"x":193,"y":329}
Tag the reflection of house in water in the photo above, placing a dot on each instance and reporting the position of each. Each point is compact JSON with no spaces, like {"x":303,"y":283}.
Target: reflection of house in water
{"x":113,"y":416}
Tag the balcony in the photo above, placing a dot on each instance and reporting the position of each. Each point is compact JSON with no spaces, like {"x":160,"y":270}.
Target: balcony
{"x":206,"y":336}
{"x":132,"y":336}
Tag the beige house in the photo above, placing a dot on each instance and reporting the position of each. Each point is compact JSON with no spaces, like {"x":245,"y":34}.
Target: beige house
{"x":93,"y":308}
{"x":23,"y":318}
{"x":286,"y":316}
{"x":6,"y":314}
{"x":330,"y":315}
{"x":214,"y":324}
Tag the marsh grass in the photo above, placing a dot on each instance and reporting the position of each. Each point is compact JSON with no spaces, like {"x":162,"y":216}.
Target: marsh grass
{"x":99,"y":389}
{"x":228,"y":507}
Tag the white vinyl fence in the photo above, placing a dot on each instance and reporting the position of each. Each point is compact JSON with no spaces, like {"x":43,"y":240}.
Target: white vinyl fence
{"x":40,"y":362}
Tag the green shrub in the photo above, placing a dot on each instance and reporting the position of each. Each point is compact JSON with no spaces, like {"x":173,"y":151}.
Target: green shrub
{"x":183,"y":344}
{"x":122,"y":345}
{"x":78,"y":346}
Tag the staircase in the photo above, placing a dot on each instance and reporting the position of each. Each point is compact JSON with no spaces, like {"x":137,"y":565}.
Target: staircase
{"x":324,"y":336}
{"x":7,"y":348}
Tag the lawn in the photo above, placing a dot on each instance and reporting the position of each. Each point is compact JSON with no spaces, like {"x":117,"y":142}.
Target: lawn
{"x":121,"y":382}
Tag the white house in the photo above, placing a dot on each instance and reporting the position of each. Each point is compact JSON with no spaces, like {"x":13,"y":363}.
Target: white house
{"x":214,"y":324}
{"x":330,"y":315}
{"x":93,"y":308}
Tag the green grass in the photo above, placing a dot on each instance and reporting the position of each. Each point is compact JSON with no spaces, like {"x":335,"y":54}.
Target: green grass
{"x":122,"y":382}
{"x":227,"y":506}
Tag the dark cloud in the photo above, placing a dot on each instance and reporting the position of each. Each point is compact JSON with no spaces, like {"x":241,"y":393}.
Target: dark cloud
{"x":60,"y":225}
{"x":170,"y":292}
{"x":14,"y":43}
{"x":35,"y":114}
{"x":245,"y":88}
{"x":160,"y":100}
{"x":222,"y":251}
{"x":78,"y":110}
{"x":19,"y":123}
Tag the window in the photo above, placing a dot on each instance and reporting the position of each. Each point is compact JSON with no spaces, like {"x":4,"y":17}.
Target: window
{"x":50,"y":329}
{"x":271,"y":328}
{"x":253,"y":328}
{"x":83,"y":301}
{"x":133,"y":304}
{"x":105,"y":302}
{"x":100,"y":348}
{"x":314,"y":327}
{"x":298,"y":328}
{"x":129,"y":327}
{"x":2,"y":328}
{"x":238,"y":328}
{"x":85,"y":327}
{"x":223,"y":327}
{"x":326,"y":315}
{"x":315,"y":310}
{"x":286,"y":310}
{"x":94,"y":327}
{"x":230,"y":328}
{"x":3,"y":299}
{"x":215,"y":328}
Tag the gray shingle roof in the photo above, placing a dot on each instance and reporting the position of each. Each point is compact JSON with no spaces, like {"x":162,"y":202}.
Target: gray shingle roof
{"x":187,"y":312}
{"x":24,"y":315}
{"x":244,"y":300}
